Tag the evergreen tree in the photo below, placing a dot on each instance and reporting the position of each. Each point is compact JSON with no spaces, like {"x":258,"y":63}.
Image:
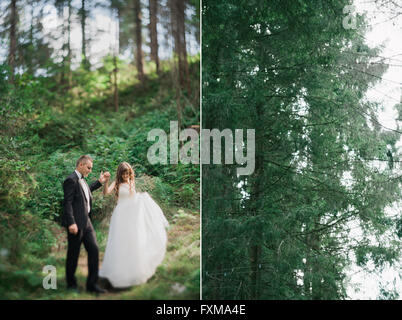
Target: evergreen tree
{"x":292,"y":72}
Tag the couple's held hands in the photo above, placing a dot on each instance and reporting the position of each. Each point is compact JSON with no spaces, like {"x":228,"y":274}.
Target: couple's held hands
{"x":104,"y":176}
{"x":73,"y":229}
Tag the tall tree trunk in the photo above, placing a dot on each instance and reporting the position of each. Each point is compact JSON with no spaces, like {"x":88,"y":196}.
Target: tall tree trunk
{"x":178,"y":104}
{"x":63,"y":64}
{"x":31,"y":42}
{"x":307,"y":271}
{"x":182,"y":44}
{"x":255,"y":205}
{"x":153,"y":20}
{"x":69,"y":45}
{"x":175,"y":68}
{"x":66,"y":76}
{"x":175,"y":34}
{"x":312,"y":278}
{"x":138,"y":40}
{"x":255,"y":274}
{"x":116,"y":92}
{"x":179,"y":35}
{"x":317,"y":292}
{"x":116,"y":50}
{"x":83,"y":12}
{"x":13,"y":38}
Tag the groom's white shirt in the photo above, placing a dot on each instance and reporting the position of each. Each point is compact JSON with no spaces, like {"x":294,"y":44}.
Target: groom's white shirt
{"x":84,"y":187}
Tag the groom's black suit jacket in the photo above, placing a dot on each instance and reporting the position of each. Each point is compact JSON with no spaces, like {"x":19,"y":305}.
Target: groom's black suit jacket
{"x":75,"y":203}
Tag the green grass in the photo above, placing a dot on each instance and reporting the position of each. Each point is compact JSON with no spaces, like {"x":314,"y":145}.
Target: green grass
{"x":176,"y":278}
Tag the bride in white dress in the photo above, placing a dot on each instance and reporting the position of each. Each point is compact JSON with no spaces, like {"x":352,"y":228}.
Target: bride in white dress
{"x":137,"y":238}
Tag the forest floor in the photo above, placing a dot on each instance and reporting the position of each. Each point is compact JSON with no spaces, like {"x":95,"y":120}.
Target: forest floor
{"x":176,"y":278}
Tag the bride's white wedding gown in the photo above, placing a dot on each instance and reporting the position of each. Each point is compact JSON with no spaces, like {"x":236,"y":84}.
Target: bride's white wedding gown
{"x":137,"y":240}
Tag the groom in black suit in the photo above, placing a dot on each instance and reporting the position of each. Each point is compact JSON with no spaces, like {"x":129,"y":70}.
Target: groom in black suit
{"x":76,"y":218}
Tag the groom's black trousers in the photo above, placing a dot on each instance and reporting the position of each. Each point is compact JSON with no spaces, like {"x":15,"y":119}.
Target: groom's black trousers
{"x":86,"y":236}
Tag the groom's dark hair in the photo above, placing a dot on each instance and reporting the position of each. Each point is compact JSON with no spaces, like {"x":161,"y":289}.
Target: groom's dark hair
{"x":83,"y":158}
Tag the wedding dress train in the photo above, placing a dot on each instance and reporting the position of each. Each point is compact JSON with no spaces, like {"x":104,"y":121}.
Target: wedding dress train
{"x":137,"y":240}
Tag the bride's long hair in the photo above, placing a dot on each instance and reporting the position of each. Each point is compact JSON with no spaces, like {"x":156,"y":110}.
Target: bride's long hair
{"x":121,"y":169}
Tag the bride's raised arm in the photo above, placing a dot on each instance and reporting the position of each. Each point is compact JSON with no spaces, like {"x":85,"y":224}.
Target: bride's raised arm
{"x":108,"y":189}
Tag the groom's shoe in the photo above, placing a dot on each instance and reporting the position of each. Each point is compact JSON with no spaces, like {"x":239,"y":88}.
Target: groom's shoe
{"x":96,"y":289}
{"x":73,"y":288}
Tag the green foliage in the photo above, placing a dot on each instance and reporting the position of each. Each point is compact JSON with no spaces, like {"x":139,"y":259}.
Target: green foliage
{"x":289,"y":70}
{"x":388,"y":294}
{"x":43,"y":132}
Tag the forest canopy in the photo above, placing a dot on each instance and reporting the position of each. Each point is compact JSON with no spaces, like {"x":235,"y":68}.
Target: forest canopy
{"x":326,"y":170}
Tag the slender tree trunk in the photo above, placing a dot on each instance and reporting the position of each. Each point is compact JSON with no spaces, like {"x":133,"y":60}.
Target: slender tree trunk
{"x":255,"y":254}
{"x":176,"y":84}
{"x":316,"y":284}
{"x":31,"y":42}
{"x":312,"y":278}
{"x":66,"y":67}
{"x":307,"y":272}
{"x":179,"y":35}
{"x":175,"y":34}
{"x":178,"y":103}
{"x":116,"y":51}
{"x":116,"y":92}
{"x":173,"y":24}
{"x":83,"y":13}
{"x":175,"y":67}
{"x":63,"y":64}
{"x":255,"y":200}
{"x":69,"y":45}
{"x":13,"y":39}
{"x":182,"y":44}
{"x":153,"y":14}
{"x":138,"y":40}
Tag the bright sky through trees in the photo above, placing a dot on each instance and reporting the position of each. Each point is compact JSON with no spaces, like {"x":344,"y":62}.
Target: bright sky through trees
{"x":102,"y":31}
{"x":386,"y":30}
